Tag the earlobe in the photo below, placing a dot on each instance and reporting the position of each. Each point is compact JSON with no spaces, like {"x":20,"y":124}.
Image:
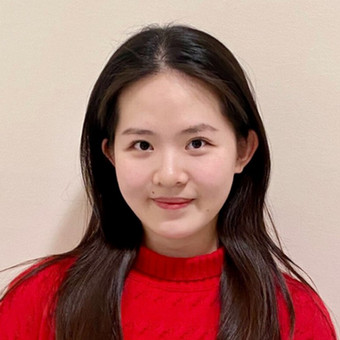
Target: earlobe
{"x":107,"y":151}
{"x":246,"y":149}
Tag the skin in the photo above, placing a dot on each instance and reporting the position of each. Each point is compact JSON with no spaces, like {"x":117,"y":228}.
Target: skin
{"x":175,"y":156}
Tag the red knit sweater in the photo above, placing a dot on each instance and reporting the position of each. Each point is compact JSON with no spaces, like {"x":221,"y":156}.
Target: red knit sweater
{"x":164,"y":298}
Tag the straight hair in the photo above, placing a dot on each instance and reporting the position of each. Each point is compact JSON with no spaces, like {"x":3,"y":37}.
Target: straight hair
{"x":88,"y":303}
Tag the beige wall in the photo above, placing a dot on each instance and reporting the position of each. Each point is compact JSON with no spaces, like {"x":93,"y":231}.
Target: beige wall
{"x":51,"y":54}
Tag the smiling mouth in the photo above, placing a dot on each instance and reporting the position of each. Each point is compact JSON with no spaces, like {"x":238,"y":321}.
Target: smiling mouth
{"x":172,"y":203}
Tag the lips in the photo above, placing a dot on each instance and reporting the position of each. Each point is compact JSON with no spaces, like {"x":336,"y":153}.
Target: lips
{"x":172,"y":203}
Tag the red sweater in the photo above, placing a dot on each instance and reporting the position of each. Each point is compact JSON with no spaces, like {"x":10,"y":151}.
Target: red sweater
{"x":164,"y":298}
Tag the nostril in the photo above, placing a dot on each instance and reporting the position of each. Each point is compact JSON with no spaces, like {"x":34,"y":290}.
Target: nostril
{"x":170,"y":179}
{"x":170,"y":170}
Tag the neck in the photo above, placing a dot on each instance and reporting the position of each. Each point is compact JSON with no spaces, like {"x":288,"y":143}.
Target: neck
{"x":182,"y":247}
{"x":177,"y":268}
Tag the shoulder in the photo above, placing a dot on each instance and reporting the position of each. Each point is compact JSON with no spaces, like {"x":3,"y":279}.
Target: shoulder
{"x":312,"y":318}
{"x":30,"y":298}
{"x":48,"y":272}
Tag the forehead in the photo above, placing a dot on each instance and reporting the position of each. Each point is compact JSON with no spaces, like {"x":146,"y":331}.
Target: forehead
{"x":170,"y":92}
{"x":172,"y":76}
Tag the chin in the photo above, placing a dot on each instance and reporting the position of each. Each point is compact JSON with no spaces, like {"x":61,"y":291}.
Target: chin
{"x":175,"y":232}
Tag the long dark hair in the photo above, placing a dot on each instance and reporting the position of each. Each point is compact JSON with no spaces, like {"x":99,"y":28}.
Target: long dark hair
{"x":88,"y":302}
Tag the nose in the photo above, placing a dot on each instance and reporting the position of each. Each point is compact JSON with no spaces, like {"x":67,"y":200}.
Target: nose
{"x":170,"y":171}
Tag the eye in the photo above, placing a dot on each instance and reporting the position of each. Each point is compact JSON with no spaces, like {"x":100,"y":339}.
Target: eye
{"x":197,"y":144}
{"x":142,"y":145}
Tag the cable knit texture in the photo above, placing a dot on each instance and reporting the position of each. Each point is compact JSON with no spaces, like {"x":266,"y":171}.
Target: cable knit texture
{"x":172,"y":298}
{"x":164,"y":298}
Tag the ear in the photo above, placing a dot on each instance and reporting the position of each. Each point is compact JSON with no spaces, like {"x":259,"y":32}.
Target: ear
{"x":246,"y":148}
{"x":108,"y":151}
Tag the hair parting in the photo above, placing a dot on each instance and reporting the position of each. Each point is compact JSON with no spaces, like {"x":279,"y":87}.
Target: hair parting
{"x":88,"y":301}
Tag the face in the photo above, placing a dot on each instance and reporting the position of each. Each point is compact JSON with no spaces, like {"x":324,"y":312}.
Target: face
{"x":175,"y":156}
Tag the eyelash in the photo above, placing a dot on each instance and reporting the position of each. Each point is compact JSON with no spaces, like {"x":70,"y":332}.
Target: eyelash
{"x":134,"y":144}
{"x":204,"y":141}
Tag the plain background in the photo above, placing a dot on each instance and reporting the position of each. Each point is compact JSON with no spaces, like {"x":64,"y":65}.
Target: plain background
{"x":51,"y":53}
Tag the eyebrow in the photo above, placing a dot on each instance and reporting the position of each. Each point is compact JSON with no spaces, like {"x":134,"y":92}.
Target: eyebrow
{"x":198,"y":128}
{"x":190,"y":130}
{"x":136,"y":131}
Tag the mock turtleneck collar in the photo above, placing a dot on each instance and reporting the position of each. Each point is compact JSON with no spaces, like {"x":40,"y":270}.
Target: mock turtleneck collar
{"x":178,"y":268}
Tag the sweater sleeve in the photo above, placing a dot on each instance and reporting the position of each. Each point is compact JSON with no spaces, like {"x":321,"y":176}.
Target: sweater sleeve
{"x":26,"y":312}
{"x":312,"y":318}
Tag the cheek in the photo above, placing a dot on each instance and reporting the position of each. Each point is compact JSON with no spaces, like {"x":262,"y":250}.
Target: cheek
{"x":216,"y":178}
{"x":131,"y":178}
{"x":216,"y":170}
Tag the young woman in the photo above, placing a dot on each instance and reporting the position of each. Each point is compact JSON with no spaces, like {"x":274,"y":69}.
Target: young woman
{"x":176,"y":166}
